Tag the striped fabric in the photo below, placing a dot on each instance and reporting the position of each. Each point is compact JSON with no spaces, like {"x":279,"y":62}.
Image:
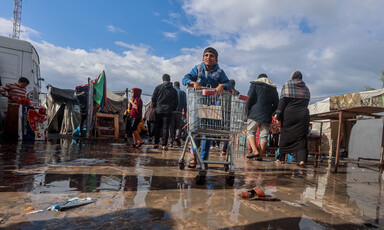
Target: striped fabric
{"x":295,"y":88}
{"x":12,"y":89}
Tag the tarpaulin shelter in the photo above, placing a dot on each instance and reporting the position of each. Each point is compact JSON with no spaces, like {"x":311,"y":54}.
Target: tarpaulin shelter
{"x":64,"y":115}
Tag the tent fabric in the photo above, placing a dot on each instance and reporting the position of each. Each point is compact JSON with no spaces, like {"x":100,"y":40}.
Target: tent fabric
{"x":117,"y":105}
{"x":320,"y":107}
{"x":64,"y":117}
{"x":373,"y":98}
{"x":62,"y":94}
{"x":114,"y":97}
{"x":371,"y":93}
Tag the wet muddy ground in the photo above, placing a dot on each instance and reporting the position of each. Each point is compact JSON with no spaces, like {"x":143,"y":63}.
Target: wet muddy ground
{"x":145,"y":189}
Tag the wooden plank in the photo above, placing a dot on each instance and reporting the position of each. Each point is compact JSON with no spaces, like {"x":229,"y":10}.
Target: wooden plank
{"x":338,"y":140}
{"x":116,"y":122}
{"x":382,"y":147}
{"x":349,"y":113}
{"x":106,"y":128}
{"x":114,"y":128}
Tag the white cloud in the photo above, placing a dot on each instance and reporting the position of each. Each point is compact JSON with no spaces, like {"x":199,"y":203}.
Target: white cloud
{"x":339,"y":51}
{"x":114,"y":29}
{"x":173,"y":15}
{"x":170,"y":35}
{"x":6,"y":29}
{"x":66,"y":67}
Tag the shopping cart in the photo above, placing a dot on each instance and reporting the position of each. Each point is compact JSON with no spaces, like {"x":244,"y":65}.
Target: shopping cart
{"x":213,"y":116}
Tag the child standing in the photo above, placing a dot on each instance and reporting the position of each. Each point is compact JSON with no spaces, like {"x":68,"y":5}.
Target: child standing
{"x":136,"y":107}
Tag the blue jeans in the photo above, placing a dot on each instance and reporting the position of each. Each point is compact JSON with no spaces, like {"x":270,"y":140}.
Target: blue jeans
{"x":205,"y":145}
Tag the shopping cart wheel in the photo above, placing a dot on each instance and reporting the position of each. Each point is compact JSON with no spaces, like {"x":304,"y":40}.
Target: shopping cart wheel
{"x":230,"y":180}
{"x":226,"y":168}
{"x":181,"y":166}
{"x":200,"y":180}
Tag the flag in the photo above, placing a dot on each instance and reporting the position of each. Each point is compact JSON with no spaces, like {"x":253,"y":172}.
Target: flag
{"x":100,"y":88}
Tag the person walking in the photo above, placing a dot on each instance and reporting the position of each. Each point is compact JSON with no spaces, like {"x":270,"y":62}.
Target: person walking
{"x":208,"y":73}
{"x":149,"y":116}
{"x":293,"y":114}
{"x":177,"y":116}
{"x":164,"y":100}
{"x":262,"y":102}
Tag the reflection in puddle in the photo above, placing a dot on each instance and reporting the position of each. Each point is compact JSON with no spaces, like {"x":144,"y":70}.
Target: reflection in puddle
{"x":144,"y":187}
{"x":308,"y":223}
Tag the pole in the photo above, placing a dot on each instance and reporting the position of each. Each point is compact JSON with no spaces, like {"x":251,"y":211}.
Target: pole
{"x":90,"y":107}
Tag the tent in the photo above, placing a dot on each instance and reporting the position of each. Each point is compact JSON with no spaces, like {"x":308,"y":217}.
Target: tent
{"x":64,"y":112}
{"x":367,"y":147}
{"x":63,"y":118}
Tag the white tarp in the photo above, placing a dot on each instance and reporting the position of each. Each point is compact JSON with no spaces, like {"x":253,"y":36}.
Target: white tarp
{"x":371,"y":93}
{"x":320,"y":107}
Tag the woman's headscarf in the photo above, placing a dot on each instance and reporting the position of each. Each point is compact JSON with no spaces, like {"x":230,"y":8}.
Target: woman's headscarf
{"x":296,"y":88}
{"x":136,"y":113}
{"x":136,"y":92}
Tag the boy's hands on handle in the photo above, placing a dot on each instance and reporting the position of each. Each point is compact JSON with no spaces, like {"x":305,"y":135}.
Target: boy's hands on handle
{"x":220,"y":88}
{"x":197,"y":86}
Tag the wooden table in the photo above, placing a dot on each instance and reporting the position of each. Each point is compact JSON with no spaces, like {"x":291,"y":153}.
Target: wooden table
{"x":112,"y":127}
{"x":349,"y":114}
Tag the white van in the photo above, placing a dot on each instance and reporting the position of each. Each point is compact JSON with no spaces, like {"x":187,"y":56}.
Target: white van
{"x":19,"y":58}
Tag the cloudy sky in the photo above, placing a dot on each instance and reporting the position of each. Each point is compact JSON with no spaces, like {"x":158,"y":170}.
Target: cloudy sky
{"x":337,"y":45}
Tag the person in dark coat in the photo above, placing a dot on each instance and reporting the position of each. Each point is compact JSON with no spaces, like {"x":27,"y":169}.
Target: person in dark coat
{"x":149,"y":116}
{"x":263,"y":101}
{"x":177,"y":116}
{"x":164,"y":100}
{"x":293,"y":114}
{"x":82,"y":100}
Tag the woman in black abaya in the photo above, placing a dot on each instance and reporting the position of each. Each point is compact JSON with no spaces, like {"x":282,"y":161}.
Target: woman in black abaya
{"x":293,"y":114}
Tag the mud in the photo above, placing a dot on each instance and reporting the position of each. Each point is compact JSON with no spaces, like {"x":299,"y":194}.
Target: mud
{"x":145,"y":189}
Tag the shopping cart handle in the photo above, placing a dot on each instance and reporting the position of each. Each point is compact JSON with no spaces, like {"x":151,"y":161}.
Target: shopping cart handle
{"x":243,"y":97}
{"x":207,"y":92}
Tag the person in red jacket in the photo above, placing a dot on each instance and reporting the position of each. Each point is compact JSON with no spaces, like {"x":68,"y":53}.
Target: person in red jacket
{"x":136,"y":107}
